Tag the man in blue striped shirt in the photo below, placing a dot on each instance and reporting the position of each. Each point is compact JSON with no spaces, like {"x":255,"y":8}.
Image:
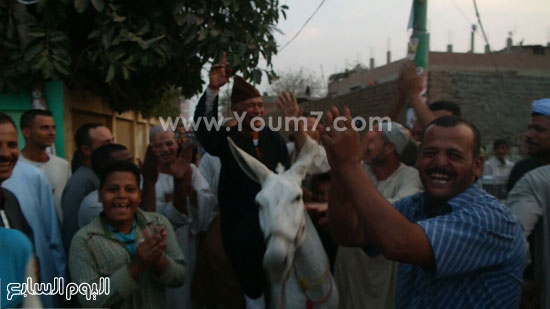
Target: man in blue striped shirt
{"x":458,"y":246}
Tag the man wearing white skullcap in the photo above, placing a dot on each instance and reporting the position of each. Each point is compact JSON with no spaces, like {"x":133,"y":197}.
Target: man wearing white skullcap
{"x":366,"y":282}
{"x":538,"y":142}
{"x":521,"y":195}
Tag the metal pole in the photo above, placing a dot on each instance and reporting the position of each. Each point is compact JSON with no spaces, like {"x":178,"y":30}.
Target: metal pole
{"x":420,"y":14}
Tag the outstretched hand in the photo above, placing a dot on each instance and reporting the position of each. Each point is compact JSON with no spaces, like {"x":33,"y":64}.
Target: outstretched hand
{"x":409,"y":83}
{"x":341,"y":139}
{"x":219,"y":73}
{"x":288,"y":105}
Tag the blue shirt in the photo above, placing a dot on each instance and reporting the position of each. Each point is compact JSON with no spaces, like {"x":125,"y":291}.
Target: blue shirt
{"x":16,"y":251}
{"x":479,"y":249}
{"x":32,"y":189}
{"x":128,"y":240}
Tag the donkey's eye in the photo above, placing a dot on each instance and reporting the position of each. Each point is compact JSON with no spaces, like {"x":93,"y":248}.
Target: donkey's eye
{"x":298,"y":198}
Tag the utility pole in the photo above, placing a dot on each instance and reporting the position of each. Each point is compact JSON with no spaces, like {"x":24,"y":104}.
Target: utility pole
{"x":474,"y":28}
{"x":420,"y":17}
{"x":419,"y":45}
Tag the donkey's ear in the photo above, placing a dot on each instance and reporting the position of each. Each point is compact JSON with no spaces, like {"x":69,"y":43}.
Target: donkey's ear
{"x":303,"y":163}
{"x":253,"y":168}
{"x":311,"y":160}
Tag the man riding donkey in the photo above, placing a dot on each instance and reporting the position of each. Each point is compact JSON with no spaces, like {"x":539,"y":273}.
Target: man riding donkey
{"x":242,"y":237}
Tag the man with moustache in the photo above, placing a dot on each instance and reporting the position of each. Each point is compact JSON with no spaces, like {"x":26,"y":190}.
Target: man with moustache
{"x":10,"y":212}
{"x":538,"y":142}
{"x":538,"y":146}
{"x":34,"y":194}
{"x":457,"y":245}
{"x":242,"y":237}
{"x":369,"y":282}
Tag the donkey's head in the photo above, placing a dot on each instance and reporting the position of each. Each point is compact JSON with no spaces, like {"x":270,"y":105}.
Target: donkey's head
{"x":282,"y":211}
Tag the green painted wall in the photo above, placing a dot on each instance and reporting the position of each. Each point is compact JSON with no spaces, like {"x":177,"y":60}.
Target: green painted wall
{"x":56,"y":105}
{"x":14,"y":104}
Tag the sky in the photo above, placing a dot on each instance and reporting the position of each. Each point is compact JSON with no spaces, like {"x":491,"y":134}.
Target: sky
{"x":345,"y":32}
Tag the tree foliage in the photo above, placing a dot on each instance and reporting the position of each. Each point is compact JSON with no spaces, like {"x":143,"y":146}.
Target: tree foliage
{"x":298,"y":82}
{"x":132,"y":51}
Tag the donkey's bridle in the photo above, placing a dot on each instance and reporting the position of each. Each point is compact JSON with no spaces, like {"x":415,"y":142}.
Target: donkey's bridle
{"x":304,"y":283}
{"x":280,"y":234}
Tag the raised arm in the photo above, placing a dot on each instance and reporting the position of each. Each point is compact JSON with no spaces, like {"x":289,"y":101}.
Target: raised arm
{"x":342,"y":219}
{"x":181,"y":170}
{"x":288,"y":105}
{"x":383,"y":225}
{"x":149,"y":168}
{"x":207,"y":109}
{"x":410,"y":85}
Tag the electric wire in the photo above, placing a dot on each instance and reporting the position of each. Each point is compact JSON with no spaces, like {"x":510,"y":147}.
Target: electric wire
{"x":304,"y":25}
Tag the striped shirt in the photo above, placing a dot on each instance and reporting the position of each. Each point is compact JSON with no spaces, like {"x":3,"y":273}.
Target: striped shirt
{"x":479,"y":250}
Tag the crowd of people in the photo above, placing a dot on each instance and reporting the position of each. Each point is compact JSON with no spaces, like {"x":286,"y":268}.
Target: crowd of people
{"x":401,"y":212}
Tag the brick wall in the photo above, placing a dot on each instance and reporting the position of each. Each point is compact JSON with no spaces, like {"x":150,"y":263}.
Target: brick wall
{"x":366,"y":102}
{"x":499,"y":105}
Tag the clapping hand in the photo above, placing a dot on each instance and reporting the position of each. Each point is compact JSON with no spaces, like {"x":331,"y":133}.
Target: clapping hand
{"x":181,"y":166}
{"x":151,"y":248}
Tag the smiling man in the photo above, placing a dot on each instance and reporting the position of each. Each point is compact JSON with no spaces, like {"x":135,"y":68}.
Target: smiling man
{"x":174,"y":187}
{"x":458,"y":247}
{"x":369,"y":282}
{"x":11,"y":215}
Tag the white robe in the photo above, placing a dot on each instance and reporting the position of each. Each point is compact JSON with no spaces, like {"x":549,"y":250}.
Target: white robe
{"x":369,"y":282}
{"x":210,"y":167}
{"x":529,"y":200}
{"x":187,"y":227}
{"x":58,"y":172}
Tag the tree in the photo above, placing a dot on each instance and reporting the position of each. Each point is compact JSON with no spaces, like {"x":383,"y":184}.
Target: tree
{"x":298,"y":82}
{"x":132,"y":51}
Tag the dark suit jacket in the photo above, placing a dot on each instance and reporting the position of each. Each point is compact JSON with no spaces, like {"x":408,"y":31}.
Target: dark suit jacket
{"x":242,"y":237}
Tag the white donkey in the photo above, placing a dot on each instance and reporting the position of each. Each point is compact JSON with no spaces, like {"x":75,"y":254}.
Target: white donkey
{"x":297,"y":265}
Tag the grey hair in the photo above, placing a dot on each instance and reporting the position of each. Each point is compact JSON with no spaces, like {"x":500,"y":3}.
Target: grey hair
{"x":154,"y":130}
